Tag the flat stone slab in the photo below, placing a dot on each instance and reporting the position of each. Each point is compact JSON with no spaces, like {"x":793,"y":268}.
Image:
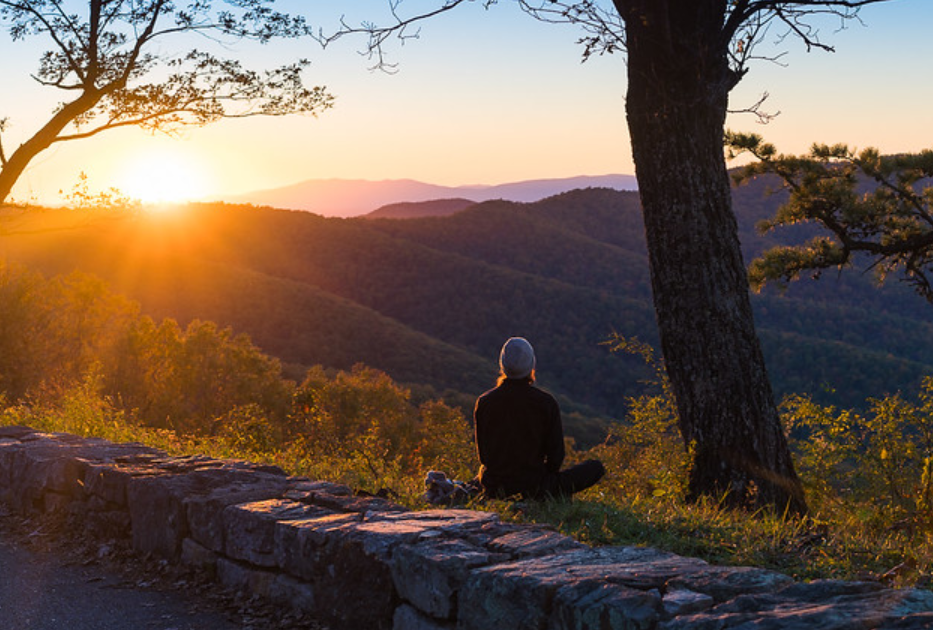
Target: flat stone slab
{"x":821,"y":605}
{"x":611,"y":585}
{"x":531,"y":541}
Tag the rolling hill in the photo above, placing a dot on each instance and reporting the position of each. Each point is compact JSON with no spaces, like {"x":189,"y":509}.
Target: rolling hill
{"x":416,"y":209}
{"x":430,"y":300}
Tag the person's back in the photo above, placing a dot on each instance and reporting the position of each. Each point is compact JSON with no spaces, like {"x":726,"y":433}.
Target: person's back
{"x":519,"y":437}
{"x":519,"y":434}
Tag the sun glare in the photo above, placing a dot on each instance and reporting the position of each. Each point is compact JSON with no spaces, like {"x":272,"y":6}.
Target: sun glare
{"x":163,"y":177}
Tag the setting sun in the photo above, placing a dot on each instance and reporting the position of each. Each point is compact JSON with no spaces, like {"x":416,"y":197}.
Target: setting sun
{"x":160,"y":177}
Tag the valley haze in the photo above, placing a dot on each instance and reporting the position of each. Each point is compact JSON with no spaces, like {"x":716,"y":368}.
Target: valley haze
{"x":355,"y":197}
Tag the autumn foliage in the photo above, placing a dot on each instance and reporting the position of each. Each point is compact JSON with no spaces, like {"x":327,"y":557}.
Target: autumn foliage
{"x":70,"y":338}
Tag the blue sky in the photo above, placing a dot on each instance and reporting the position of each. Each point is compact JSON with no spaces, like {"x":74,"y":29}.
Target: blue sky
{"x":486,"y":97}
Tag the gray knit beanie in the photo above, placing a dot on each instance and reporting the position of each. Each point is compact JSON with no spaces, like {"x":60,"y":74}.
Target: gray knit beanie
{"x":517,"y":359}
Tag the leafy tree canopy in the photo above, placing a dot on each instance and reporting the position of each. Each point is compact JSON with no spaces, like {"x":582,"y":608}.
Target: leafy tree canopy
{"x":121,"y":63}
{"x":870,"y":204}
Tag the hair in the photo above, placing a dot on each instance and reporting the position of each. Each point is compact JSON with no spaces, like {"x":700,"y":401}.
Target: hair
{"x":530,"y":379}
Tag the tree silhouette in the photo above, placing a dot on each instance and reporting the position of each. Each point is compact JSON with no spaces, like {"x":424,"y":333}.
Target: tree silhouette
{"x":125,"y":63}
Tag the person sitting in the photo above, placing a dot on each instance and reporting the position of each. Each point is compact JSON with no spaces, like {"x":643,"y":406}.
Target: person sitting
{"x":520,"y":437}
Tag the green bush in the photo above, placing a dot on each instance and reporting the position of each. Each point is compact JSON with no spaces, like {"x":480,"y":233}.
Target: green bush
{"x":878,"y":460}
{"x":363,"y":428}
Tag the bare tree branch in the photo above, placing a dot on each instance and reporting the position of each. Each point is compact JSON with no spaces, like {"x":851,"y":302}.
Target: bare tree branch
{"x":756,"y":110}
{"x":747,"y":24}
{"x":377,"y":35}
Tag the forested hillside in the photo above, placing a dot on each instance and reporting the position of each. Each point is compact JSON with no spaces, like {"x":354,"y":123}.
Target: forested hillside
{"x":430,"y":300}
{"x":414,"y":209}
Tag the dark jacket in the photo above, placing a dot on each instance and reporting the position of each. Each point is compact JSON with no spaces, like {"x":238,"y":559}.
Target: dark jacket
{"x":519,"y":438}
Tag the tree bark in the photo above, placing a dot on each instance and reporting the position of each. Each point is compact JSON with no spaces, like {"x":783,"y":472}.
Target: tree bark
{"x":678,"y":86}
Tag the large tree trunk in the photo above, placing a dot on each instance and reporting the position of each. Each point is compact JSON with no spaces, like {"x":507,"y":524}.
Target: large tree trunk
{"x":678,"y":85}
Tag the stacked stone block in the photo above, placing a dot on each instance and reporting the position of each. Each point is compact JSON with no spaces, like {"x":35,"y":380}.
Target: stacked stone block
{"x":364,"y":562}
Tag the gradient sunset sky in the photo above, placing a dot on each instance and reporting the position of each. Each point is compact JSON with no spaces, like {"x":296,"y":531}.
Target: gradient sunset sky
{"x":481,"y":97}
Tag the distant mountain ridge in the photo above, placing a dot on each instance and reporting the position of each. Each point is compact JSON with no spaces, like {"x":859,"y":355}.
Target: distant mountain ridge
{"x":356,"y":197}
{"x":434,"y":208}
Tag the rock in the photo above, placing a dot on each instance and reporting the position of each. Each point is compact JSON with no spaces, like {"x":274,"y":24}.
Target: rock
{"x":108,"y":482}
{"x":382,"y":532}
{"x":574,"y":589}
{"x":429,"y":574}
{"x":682,"y":601}
{"x":343,"y":564}
{"x":195,"y":555}
{"x":250,"y":528}
{"x":452,"y":521}
{"x":157,"y":514}
{"x":109,"y":470}
{"x":724,"y":583}
{"x":592,"y":604}
{"x":158,"y":504}
{"x":205,"y":512}
{"x":8,"y":449}
{"x":918,"y":621}
{"x":43,"y":467}
{"x":244,"y":578}
{"x":823,"y":604}
{"x":517,"y":595}
{"x":300,"y":544}
{"x":303,"y":489}
{"x":270,"y":585}
{"x":44,"y":462}
{"x":14,"y":432}
{"x":349,"y":556}
{"x":407,"y":618}
{"x":530,"y":542}
{"x":358,"y":505}
{"x":297,"y":594}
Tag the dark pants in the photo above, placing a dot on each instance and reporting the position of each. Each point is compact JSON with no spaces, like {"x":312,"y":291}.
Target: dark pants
{"x":571,"y":480}
{"x":554,"y":485}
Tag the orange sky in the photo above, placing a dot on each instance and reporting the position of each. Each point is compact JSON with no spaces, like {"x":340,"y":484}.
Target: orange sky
{"x":484,"y":97}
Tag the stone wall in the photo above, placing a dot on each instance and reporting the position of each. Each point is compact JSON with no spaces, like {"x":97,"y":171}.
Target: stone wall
{"x":365,"y":563}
